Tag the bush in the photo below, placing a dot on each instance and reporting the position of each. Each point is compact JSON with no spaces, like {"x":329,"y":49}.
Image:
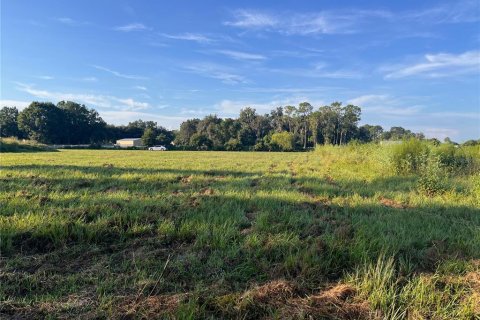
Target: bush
{"x":432,"y":177}
{"x":284,"y":140}
{"x":453,"y":158}
{"x":233,"y":145}
{"x":15,"y":145}
{"x":409,"y":156}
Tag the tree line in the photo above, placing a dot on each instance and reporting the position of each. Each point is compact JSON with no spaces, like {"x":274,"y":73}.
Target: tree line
{"x":284,"y":128}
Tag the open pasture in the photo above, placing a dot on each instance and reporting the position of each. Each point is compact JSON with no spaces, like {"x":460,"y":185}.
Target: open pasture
{"x":333,"y":233}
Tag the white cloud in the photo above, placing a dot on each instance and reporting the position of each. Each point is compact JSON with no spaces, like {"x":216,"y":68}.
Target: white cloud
{"x":132,"y":27}
{"x":216,"y":72}
{"x":123,"y":117}
{"x":324,"y":22}
{"x":450,"y":12}
{"x":14,"y":103}
{"x":89,"y":79}
{"x":142,"y":88}
{"x":45,"y":77}
{"x":317,"y":71}
{"x":439,"y":133}
{"x":93,"y":100}
{"x":229,"y":108}
{"x":385,"y":105}
{"x":188,"y":37}
{"x":241,"y":55}
{"x":438,"y":65}
{"x":132,"y":104}
{"x":252,"y":19}
{"x":118,"y":74}
{"x":72,"y":22}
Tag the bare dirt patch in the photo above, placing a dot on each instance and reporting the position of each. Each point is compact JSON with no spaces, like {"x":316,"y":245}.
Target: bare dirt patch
{"x":392,"y":203}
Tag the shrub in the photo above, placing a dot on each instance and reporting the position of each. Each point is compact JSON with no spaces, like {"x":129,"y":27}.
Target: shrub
{"x":432,"y":177}
{"x":409,"y":156}
{"x":15,"y":145}
{"x":453,"y":158}
{"x":284,"y":140}
{"x":233,"y":145}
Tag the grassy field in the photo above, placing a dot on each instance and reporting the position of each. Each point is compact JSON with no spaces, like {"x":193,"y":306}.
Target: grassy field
{"x":333,"y":233}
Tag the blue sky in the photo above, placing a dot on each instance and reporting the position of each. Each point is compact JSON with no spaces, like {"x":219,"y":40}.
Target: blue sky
{"x":409,"y":63}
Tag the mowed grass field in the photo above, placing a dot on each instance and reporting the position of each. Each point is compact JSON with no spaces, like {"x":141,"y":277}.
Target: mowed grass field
{"x":332,"y":233}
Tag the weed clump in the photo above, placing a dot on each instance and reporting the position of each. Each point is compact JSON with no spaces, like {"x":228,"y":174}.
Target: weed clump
{"x":432,"y":177}
{"x":409,"y":156}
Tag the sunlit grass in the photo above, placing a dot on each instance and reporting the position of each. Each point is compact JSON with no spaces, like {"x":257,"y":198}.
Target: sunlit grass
{"x":98,"y":227}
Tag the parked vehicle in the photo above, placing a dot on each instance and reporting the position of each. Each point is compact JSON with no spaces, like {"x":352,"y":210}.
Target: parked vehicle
{"x":157,"y":148}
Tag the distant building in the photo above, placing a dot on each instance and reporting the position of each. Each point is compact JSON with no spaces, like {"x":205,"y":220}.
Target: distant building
{"x":129,"y":142}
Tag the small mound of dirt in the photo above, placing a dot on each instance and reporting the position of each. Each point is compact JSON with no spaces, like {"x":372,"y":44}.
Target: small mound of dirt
{"x":274,"y":293}
{"x":152,"y":307}
{"x":207,"y":192}
{"x":330,"y":180}
{"x":334,"y":303}
{"x":112,"y":189}
{"x":392,"y":203}
{"x":185,"y":179}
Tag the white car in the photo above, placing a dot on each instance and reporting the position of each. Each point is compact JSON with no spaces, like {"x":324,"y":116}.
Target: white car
{"x":157,"y":148}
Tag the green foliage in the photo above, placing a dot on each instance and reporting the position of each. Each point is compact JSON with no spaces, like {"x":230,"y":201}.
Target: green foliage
{"x":454,"y":158}
{"x":284,"y":141}
{"x":15,"y":145}
{"x":8,"y":122}
{"x":432,"y":177}
{"x":409,"y":156}
{"x":233,"y":145}
{"x":200,"y":141}
{"x":149,"y":137}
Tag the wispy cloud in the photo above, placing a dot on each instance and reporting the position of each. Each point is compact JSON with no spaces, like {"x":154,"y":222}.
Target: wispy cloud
{"x":132,"y":27}
{"x":72,"y":22}
{"x":324,"y":22}
{"x":123,"y":117}
{"x":45,"y":77}
{"x":386,"y":105}
{"x":142,"y":88}
{"x":228,"y":108}
{"x":118,"y":74}
{"x":438,"y":65}
{"x":439,"y":133}
{"x":252,"y":19}
{"x":449,"y":12}
{"x":319,"y":70}
{"x":238,"y":55}
{"x":89,"y":79}
{"x":93,"y":100}
{"x":188,"y":37}
{"x":216,"y":72}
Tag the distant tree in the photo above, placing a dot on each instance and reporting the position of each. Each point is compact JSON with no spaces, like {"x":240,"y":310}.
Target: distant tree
{"x":471,"y":143}
{"x":187,"y":130}
{"x":303,"y":111}
{"x":200,"y":142}
{"x":350,"y":116}
{"x":434,"y":141}
{"x":149,"y":137}
{"x":277,"y":120}
{"x":247,"y":137}
{"x":9,"y":122}
{"x":233,"y":145}
{"x":43,"y":122}
{"x":82,"y":125}
{"x":284,"y":140}
{"x":247,"y":117}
